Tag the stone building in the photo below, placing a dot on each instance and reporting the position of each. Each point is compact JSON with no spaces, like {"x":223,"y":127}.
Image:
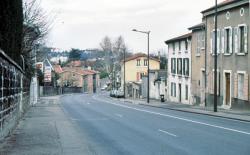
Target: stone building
{"x":233,"y":57}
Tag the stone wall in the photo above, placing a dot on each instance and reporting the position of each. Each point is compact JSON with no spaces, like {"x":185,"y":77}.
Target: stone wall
{"x":14,"y":94}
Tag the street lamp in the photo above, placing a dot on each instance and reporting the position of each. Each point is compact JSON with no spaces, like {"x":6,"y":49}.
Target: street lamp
{"x":146,"y":32}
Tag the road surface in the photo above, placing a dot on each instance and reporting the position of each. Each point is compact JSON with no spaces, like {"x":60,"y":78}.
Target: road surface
{"x":114,"y":127}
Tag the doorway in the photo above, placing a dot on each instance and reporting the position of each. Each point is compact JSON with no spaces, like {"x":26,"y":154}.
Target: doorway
{"x":179,"y":92}
{"x":227,"y":89}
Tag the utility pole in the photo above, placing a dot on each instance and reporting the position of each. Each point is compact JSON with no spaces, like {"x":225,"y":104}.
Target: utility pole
{"x":215,"y":58}
{"x":124,"y":75}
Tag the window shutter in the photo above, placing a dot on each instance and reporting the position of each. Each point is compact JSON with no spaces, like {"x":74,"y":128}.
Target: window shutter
{"x":235,"y":85}
{"x":222,"y":40}
{"x":236,"y":40}
{"x":211,"y":42}
{"x":218,"y":41}
{"x":245,"y":36}
{"x":230,"y":41}
{"x":245,"y":87}
{"x":187,"y":67}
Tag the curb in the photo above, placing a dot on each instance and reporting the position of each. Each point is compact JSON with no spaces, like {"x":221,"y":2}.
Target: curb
{"x":194,"y":112}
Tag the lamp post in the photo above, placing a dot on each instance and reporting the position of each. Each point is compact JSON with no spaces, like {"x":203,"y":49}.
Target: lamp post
{"x":215,"y":58}
{"x":146,"y":32}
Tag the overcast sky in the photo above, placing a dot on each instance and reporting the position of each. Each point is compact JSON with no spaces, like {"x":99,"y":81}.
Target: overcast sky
{"x":84,"y":23}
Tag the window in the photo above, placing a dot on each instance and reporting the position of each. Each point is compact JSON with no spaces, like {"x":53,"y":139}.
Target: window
{"x":242,"y":12}
{"x":200,"y":42}
{"x":173,"y":65}
{"x":173,"y":47}
{"x":186,"y":96}
{"x":228,"y":40}
{"x":241,"y":86}
{"x":138,"y":62}
{"x":242,"y":39}
{"x":179,"y":46}
{"x":186,"y":45}
{"x":173,"y":89}
{"x":186,"y":66}
{"x":145,"y":62}
{"x":179,"y":66}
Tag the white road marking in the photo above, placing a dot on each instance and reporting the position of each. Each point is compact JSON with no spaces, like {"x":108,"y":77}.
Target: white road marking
{"x":175,"y":117}
{"x":119,"y":115}
{"x":167,"y":133}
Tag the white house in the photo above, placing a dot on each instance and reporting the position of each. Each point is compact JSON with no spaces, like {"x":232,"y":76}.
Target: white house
{"x":179,"y":69}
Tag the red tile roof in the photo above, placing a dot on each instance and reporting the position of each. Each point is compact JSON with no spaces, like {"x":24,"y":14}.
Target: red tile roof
{"x":79,"y":70}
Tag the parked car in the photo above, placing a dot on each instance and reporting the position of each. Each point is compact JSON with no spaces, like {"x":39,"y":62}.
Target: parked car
{"x":119,"y":94}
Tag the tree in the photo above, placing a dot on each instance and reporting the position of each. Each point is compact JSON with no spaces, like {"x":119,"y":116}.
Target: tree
{"x":36,"y":26}
{"x":11,"y":27}
{"x":74,"y":54}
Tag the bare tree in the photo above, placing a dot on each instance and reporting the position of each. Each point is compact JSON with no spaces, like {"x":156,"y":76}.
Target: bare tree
{"x":106,"y":46}
{"x":37,"y":24}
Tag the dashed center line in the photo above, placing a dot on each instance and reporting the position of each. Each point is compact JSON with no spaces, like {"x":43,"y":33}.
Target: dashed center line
{"x":168,"y":133}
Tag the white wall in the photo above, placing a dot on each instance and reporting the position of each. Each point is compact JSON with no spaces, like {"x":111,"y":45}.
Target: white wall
{"x":176,"y":78}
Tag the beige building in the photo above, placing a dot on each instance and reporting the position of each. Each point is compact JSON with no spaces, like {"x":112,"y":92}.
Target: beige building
{"x":70,"y":78}
{"x":198,"y":57}
{"x":136,"y":66}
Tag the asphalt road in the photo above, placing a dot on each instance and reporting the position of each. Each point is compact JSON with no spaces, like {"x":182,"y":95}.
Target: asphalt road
{"x":113,"y":127}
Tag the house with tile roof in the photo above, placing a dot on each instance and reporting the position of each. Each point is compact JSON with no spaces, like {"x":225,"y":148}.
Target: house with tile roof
{"x":136,"y":66}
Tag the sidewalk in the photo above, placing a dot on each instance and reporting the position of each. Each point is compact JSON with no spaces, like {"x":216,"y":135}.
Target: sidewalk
{"x":224,"y":113}
{"x":45,"y":129}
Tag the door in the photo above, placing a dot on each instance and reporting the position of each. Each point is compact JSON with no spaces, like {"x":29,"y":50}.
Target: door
{"x":227,"y":95}
{"x":179,"y":92}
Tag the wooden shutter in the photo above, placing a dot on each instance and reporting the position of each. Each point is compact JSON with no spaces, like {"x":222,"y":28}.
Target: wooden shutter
{"x":236,"y":43}
{"x":222,"y":40}
{"x":235,"y":85}
{"x":211,"y":42}
{"x":245,"y":38}
{"x":218,"y":41}
{"x":245,"y":89}
{"x":230,"y":41}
